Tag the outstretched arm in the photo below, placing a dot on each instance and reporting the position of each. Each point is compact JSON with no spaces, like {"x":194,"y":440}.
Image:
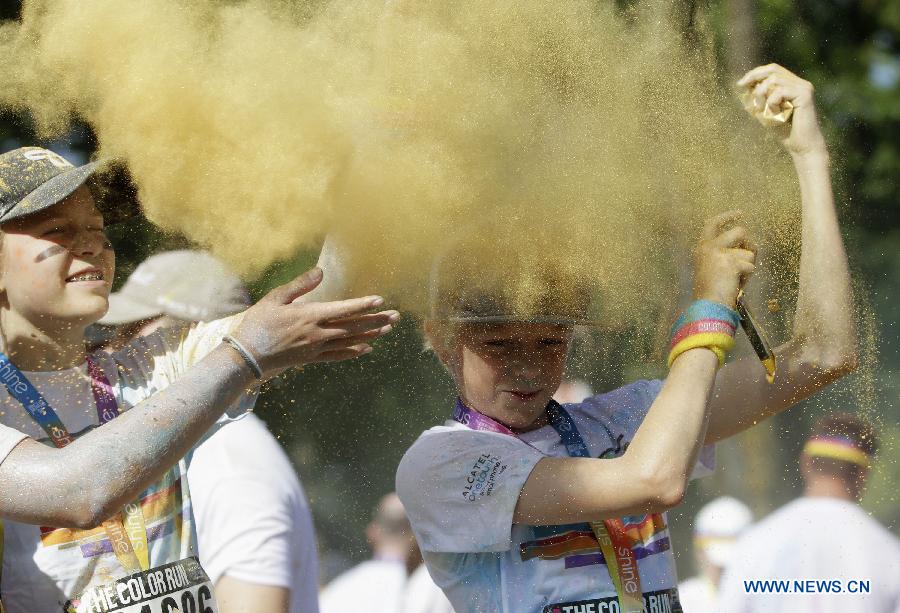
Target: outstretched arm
{"x":89,"y":480}
{"x":823,"y":345}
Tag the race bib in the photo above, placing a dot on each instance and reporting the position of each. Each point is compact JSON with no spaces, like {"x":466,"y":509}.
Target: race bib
{"x":179,"y":587}
{"x":663,"y":601}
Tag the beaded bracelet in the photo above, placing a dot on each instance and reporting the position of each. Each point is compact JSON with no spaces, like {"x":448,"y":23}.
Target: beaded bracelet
{"x":704,"y":324}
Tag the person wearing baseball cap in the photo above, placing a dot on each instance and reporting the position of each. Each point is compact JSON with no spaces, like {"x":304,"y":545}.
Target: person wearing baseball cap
{"x":254,"y":527}
{"x":172,"y":288}
{"x":56,"y":272}
{"x":520,"y":503}
{"x":829,"y":552}
{"x":716,"y":530}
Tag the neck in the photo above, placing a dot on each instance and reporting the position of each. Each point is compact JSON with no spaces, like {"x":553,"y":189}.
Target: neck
{"x":35,"y":349}
{"x":826,"y":486}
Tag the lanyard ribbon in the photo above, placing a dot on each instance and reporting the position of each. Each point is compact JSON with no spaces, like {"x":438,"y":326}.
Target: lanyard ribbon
{"x":614,"y":541}
{"x":129,"y":537}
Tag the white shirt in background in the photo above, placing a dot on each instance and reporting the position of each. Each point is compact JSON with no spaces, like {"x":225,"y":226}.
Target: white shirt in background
{"x":823,"y":539}
{"x":422,"y":595}
{"x":698,"y":595}
{"x":375,"y":586}
{"x":253,"y":521}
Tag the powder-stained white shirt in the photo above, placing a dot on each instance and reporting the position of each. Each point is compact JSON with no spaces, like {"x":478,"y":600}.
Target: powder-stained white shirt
{"x":374,"y":586}
{"x":460,"y":488}
{"x":45,"y":566}
{"x":820,"y":540}
{"x":253,"y":521}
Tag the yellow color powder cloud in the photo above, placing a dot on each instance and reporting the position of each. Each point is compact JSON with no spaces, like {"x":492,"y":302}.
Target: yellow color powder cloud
{"x":562,"y":136}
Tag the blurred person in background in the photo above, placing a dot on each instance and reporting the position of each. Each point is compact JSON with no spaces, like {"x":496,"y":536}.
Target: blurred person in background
{"x":824,"y":537}
{"x":254,"y":529}
{"x":572,"y":390}
{"x":423,"y":595}
{"x":716,"y":530}
{"x":378,"y":585}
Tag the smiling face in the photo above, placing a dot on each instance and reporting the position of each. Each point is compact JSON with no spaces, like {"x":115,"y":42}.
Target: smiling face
{"x":507,"y":371}
{"x":56,"y":266}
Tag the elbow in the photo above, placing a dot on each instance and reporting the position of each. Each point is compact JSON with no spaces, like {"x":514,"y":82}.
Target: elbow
{"x":833,"y":363}
{"x":91,"y":517}
{"x":664,"y":488}
{"x":95,"y":509}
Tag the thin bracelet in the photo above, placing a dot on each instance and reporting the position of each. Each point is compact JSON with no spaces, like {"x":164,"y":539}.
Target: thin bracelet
{"x":246,"y":355}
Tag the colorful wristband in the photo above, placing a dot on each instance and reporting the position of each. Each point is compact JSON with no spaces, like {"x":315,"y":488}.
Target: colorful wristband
{"x":704,"y":324}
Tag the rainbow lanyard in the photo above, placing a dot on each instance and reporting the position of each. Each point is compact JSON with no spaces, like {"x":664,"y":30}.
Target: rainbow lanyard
{"x":128,"y":533}
{"x":614,"y":542}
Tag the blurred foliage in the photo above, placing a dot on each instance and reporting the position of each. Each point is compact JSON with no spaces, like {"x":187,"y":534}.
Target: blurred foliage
{"x":346,"y":426}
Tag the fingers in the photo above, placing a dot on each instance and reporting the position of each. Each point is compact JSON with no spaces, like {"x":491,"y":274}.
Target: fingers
{"x":347,"y":353}
{"x":361,"y":323}
{"x":760,"y":73}
{"x":746,"y":255}
{"x":356,"y":339}
{"x":305,"y":283}
{"x":735,"y":237}
{"x":342,"y":309}
{"x":714,"y":225}
{"x":761,"y":91}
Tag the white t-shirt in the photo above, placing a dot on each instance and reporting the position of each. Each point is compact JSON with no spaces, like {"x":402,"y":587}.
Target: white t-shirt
{"x":375,"y":586}
{"x":44,"y":567}
{"x":460,"y":487}
{"x":9,"y":438}
{"x":815,"y":539}
{"x":422,"y":595}
{"x":253,"y":521}
{"x":698,"y":595}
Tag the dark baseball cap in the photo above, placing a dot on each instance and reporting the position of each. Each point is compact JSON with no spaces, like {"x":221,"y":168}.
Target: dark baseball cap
{"x":33,"y":179}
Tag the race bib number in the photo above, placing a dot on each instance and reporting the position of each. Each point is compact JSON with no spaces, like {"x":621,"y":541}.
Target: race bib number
{"x":663,"y":601}
{"x":179,"y":587}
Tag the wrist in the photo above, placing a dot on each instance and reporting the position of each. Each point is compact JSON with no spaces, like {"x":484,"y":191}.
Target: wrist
{"x":717,"y":298}
{"x":231,"y":366}
{"x":243,"y":353}
{"x":814,"y":154}
{"x":704,"y":324}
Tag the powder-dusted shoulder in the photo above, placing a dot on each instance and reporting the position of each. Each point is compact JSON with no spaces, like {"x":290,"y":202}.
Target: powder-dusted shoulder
{"x":623,"y":408}
{"x":460,"y":487}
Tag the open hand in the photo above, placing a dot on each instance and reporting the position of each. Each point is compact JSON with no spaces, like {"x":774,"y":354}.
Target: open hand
{"x":281,"y":333}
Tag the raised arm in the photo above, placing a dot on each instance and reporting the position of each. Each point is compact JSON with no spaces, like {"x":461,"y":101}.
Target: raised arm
{"x":823,"y":345}
{"x":653,"y":473}
{"x":89,"y":480}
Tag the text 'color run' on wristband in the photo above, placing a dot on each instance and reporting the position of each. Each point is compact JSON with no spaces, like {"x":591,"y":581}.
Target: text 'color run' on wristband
{"x":704,"y":324}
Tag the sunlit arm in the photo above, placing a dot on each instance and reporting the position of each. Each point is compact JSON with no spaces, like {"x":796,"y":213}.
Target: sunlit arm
{"x":91,"y":479}
{"x":651,"y":476}
{"x":236,"y":596}
{"x":823,"y":343}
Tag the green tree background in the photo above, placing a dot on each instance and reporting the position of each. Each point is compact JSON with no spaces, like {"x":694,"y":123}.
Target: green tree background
{"x":346,"y":426}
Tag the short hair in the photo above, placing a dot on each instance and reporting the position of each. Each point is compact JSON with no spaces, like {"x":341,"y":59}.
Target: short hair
{"x":851,"y":428}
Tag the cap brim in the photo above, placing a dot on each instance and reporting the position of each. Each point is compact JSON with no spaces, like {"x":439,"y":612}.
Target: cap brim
{"x":124,"y":310}
{"x":113,"y":191}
